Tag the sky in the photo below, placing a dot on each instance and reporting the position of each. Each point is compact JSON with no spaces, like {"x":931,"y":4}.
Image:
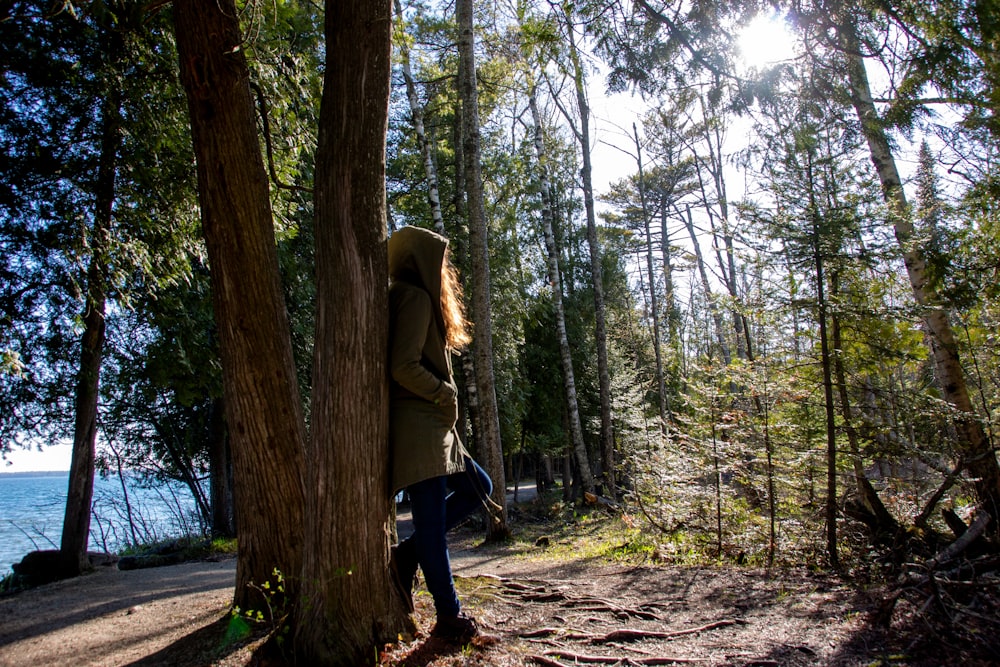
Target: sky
{"x":51,"y":458}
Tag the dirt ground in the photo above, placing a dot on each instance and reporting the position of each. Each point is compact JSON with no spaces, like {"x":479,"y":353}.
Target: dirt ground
{"x":535,"y":608}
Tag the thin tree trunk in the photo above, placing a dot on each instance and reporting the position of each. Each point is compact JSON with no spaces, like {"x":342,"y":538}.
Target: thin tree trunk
{"x":831,"y":429}
{"x":885,"y":523}
{"x":555,"y":284}
{"x":417,"y":116}
{"x":772,"y":501}
{"x":706,"y":286}
{"x":716,"y":481}
{"x":727,"y":265}
{"x":461,"y":214}
{"x":80,"y":494}
{"x":669,"y":300}
{"x":178,"y":456}
{"x":977,"y":451}
{"x":223,"y":523}
{"x":263,"y":409}
{"x":654,"y":310}
{"x":489,"y":417}
{"x":607,"y":443}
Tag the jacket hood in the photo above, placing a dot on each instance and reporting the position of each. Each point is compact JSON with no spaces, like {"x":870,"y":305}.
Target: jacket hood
{"x":416,"y":256}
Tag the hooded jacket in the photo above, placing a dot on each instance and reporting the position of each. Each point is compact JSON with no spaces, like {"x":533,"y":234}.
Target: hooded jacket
{"x":423,"y":408}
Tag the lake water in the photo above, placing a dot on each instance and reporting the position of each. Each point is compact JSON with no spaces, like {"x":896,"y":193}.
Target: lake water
{"x":32,"y":506}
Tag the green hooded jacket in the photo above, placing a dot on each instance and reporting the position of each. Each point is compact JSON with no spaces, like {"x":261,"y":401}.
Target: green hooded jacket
{"x":423,"y":408}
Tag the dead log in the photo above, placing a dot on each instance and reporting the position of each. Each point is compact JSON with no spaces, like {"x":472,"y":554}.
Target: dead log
{"x":952,"y":593}
{"x":964,"y":541}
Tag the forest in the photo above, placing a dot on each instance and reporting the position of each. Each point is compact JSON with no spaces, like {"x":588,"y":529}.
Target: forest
{"x":770,"y":340}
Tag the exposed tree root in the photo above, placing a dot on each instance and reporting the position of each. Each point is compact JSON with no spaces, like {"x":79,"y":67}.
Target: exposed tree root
{"x":579,"y":658}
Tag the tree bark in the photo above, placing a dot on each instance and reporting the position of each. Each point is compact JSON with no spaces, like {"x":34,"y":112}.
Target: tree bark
{"x":80,"y":494}
{"x":488,"y":414}
{"x":555,"y":284}
{"x":349,"y":607}
{"x":975,"y":448}
{"x":607,"y":443}
{"x":263,"y":409}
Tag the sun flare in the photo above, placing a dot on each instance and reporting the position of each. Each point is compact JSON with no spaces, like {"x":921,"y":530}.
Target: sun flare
{"x":764,"y":41}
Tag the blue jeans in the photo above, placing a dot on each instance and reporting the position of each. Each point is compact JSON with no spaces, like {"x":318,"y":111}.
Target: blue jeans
{"x":435,"y":512}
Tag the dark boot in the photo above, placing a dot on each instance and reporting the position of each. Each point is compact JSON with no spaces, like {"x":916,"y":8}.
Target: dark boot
{"x":459,"y":629}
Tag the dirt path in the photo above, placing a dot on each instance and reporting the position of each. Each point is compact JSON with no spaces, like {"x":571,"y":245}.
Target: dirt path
{"x":538,"y":606}
{"x":539,"y":610}
{"x":112,"y":617}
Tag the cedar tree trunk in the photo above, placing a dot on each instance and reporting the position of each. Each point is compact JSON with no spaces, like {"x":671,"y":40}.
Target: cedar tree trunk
{"x":349,"y":607}
{"x":263,"y":408}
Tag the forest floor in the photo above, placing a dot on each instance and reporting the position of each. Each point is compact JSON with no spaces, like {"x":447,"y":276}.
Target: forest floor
{"x":548,"y":597}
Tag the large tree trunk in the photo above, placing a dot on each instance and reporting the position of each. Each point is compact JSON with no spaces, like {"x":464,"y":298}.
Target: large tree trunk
{"x":488,"y":415}
{"x":76,"y":522}
{"x":555,"y":284}
{"x":263,"y":409}
{"x":349,"y":608}
{"x":975,"y":448}
{"x":596,"y":269}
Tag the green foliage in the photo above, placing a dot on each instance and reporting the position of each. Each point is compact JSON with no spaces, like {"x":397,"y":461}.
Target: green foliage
{"x":273,"y":617}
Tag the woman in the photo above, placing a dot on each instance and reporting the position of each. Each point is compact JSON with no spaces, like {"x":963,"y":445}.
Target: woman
{"x":426,"y":323}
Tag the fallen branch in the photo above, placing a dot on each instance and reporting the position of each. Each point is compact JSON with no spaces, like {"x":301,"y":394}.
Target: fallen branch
{"x":962,"y":543}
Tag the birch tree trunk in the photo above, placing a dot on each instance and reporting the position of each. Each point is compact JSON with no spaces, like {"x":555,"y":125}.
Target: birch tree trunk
{"x":417,"y":117}
{"x":976,"y":450}
{"x":607,"y":442}
{"x":488,"y":415}
{"x":555,"y":283}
